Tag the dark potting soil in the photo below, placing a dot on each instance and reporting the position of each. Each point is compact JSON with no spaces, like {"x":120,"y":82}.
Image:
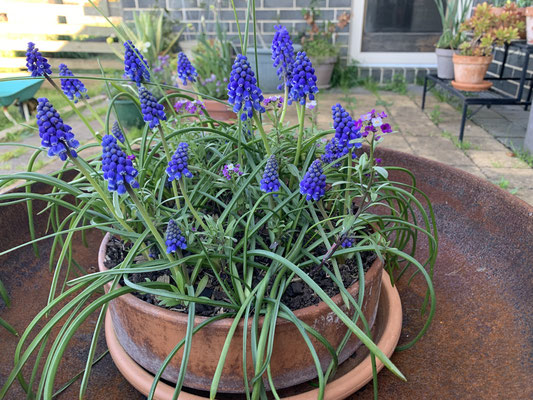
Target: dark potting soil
{"x":297,"y":295}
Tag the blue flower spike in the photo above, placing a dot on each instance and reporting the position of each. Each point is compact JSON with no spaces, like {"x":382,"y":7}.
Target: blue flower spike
{"x":152,"y":111}
{"x":73,"y":88}
{"x":334,"y":151}
{"x":283,"y":55}
{"x":35,"y":62}
{"x":347,"y":242}
{"x":55,"y":135}
{"x":115,"y":130}
{"x":179,"y":163}
{"x":303,"y":81}
{"x":270,"y":181}
{"x":135,"y":65}
{"x":186,"y":72}
{"x":243,"y":92}
{"x":117,"y":167}
{"x":313,"y":185}
{"x":346,"y":129}
{"x":173,"y":238}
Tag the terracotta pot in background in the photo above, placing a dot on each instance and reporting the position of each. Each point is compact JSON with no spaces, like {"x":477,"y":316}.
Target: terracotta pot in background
{"x":470,"y":72}
{"x":148,"y":333}
{"x":219,"y":111}
{"x":323,"y":71}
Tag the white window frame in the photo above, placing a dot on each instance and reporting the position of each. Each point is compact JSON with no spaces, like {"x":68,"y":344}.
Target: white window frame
{"x":381,"y":59}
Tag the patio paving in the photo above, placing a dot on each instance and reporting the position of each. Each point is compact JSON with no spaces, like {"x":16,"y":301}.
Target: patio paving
{"x":416,"y":133}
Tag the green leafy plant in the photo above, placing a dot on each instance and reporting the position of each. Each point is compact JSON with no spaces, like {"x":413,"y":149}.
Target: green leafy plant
{"x":487,"y":30}
{"x":452,"y":13}
{"x":317,"y":41}
{"x":435,"y":115}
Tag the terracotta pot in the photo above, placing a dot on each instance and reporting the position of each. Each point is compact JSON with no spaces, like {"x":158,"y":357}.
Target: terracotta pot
{"x":323,"y":71}
{"x":148,"y":333}
{"x":470,"y":72}
{"x":529,"y":24}
{"x":219,"y":111}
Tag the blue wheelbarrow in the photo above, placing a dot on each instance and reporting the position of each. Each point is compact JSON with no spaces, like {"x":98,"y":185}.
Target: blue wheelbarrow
{"x":21,"y":93}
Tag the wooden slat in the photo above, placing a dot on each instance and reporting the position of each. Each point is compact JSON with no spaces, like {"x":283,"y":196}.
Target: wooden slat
{"x":54,"y":29}
{"x":61,"y":45}
{"x":72,"y":63}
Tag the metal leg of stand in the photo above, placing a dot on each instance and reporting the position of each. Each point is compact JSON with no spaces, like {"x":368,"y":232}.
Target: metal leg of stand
{"x":463,"y":122}
{"x":424,"y":92}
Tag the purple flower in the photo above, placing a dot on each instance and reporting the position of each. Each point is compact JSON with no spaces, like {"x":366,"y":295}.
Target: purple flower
{"x":243,"y":92}
{"x":372,"y":123}
{"x":36,"y":63}
{"x":270,"y":181}
{"x":73,"y":88}
{"x":313,"y":185}
{"x":179,"y":163}
{"x":117,"y":167}
{"x":275,"y":100}
{"x":190,"y":107}
{"x":348,"y":242}
{"x":186,"y":72}
{"x":231,"y":171}
{"x":283,"y":55}
{"x":173,"y":238}
{"x":135,"y":65}
{"x":152,"y":111}
{"x":303,"y":80}
{"x":117,"y":132}
{"x":311,"y":105}
{"x":55,"y":135}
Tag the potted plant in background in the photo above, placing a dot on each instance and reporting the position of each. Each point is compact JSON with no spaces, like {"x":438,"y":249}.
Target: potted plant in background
{"x":452,"y":13}
{"x":232,"y":247}
{"x":514,"y":16}
{"x":486,"y":30}
{"x":318,"y":43}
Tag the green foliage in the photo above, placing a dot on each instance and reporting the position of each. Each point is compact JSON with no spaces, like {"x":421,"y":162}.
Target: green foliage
{"x":435,"y":116}
{"x":396,"y":85}
{"x":523,"y":154}
{"x":452,"y":14}
{"x":345,"y":76}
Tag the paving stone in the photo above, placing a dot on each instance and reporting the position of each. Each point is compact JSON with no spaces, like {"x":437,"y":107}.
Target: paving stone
{"x":487,"y":143}
{"x":473,"y":169}
{"x":526,"y":195}
{"x":396,"y":141}
{"x":495,"y":159}
{"x":438,"y":149}
{"x":521,"y":178}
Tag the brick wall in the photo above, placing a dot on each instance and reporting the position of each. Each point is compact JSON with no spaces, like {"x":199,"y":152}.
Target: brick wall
{"x":268,"y":14}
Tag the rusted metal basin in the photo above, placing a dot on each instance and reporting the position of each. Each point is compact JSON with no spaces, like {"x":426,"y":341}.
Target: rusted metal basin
{"x":480,"y":345}
{"x":291,"y":362}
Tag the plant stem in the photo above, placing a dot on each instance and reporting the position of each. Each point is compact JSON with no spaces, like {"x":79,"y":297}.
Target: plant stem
{"x":301,"y":119}
{"x":168,"y":155}
{"x":285,"y":102}
{"x":263,"y":134}
{"x":93,"y":111}
{"x":189,"y":204}
{"x":347,"y":208}
{"x":78,"y":112}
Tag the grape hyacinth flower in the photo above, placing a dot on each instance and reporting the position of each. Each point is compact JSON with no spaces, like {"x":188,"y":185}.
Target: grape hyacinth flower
{"x":35,"y":62}
{"x":185,"y":69}
{"x":334,"y":151}
{"x":152,"y":111}
{"x":135,"y":65}
{"x":303,"y":80}
{"x":73,"y":88}
{"x":346,"y":129}
{"x":179,"y":163}
{"x":347,"y":242}
{"x":190,"y":107}
{"x":231,"y":171}
{"x":55,"y":135}
{"x":313,"y":185}
{"x":117,"y":167}
{"x":243,"y":92}
{"x":173,"y":238}
{"x":283,"y":55}
{"x":270,"y":181}
{"x":118,"y":133}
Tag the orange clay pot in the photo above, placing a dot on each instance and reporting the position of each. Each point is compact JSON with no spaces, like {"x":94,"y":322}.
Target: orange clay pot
{"x":219,"y":111}
{"x":469,"y":72}
{"x":148,"y":334}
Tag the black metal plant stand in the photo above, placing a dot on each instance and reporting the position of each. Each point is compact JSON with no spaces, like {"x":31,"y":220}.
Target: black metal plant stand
{"x":489,"y":97}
